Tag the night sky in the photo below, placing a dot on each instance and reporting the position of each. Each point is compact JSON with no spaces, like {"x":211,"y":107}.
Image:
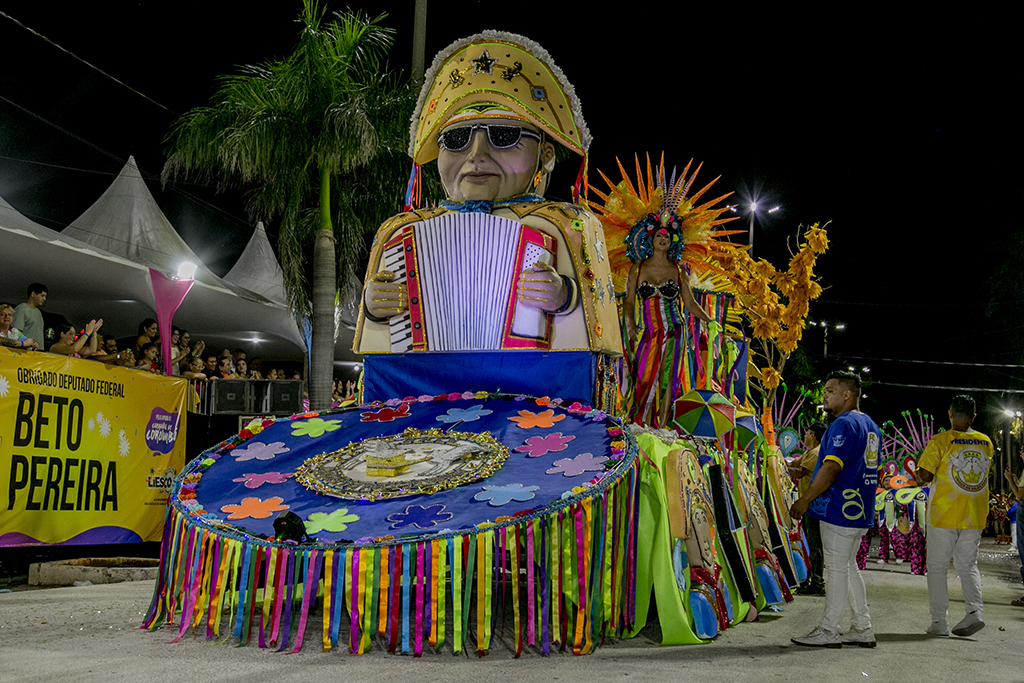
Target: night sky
{"x":900,"y":129}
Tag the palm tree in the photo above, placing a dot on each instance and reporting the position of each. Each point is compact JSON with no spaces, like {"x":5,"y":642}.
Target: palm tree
{"x":299,"y":135}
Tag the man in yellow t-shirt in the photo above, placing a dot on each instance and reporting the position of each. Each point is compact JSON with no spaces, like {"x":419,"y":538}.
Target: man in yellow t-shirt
{"x":956,"y":463}
{"x":801,"y":469}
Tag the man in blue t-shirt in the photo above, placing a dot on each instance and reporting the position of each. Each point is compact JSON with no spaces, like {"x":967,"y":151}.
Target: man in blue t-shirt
{"x":841,"y":496}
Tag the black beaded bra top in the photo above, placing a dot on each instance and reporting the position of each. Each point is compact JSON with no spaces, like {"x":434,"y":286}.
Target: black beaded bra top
{"x":668,"y":290}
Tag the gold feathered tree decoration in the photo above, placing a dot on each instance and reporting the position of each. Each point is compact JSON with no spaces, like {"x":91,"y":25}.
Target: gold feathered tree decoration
{"x":776,"y":305}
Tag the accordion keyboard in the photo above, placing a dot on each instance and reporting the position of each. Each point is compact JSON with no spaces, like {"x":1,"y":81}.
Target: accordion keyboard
{"x":400,"y":325}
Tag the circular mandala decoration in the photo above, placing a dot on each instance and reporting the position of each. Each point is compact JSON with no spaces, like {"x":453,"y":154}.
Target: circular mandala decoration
{"x":415,"y":462}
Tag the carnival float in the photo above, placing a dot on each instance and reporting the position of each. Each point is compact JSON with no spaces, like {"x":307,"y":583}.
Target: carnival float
{"x":559,"y":419}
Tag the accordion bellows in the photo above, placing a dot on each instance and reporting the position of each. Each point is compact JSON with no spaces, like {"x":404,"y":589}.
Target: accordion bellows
{"x":461,"y":271}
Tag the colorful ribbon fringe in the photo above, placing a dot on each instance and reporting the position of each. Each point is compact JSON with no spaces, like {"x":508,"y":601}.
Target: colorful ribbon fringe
{"x":577,"y":565}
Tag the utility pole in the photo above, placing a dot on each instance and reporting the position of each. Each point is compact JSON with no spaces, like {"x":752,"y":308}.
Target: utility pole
{"x":419,"y":42}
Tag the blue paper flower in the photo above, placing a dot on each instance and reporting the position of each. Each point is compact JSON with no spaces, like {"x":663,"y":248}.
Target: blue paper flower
{"x":496,"y":496}
{"x":471,"y":414}
{"x":419,"y":516}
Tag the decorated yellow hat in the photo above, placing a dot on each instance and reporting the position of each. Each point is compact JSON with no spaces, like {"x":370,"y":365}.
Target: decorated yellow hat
{"x":496,"y":75}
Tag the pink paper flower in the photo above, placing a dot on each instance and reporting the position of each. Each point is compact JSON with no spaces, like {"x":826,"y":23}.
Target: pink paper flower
{"x":254,"y":481}
{"x":537,"y":446}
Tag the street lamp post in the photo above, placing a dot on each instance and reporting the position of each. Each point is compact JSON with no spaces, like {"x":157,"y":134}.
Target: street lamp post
{"x":753,"y":213}
{"x":824,"y":331}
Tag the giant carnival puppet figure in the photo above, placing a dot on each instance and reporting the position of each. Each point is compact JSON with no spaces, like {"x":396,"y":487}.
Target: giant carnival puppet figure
{"x":496,"y":284}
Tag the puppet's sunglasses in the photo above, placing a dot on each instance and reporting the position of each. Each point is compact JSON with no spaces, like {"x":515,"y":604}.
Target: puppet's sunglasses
{"x":500,"y":137}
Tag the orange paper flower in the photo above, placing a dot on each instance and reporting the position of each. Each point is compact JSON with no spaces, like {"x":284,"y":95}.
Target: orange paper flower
{"x":529,"y":420}
{"x":255,"y":508}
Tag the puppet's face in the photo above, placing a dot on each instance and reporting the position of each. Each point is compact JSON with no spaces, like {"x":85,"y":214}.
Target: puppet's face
{"x":481,"y":171}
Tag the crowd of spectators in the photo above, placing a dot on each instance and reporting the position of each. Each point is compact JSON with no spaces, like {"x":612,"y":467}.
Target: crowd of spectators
{"x":22,"y":327}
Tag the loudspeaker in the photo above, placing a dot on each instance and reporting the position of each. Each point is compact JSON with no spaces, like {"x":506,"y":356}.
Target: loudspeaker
{"x":230,"y":396}
{"x":284,"y":397}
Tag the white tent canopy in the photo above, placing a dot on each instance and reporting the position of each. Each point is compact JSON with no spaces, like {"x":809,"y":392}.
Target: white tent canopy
{"x":257,"y":268}
{"x":126,"y":221}
{"x":87,"y":281}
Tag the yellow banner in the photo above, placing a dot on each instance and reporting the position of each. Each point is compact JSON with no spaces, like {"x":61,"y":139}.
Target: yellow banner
{"x":87,"y":450}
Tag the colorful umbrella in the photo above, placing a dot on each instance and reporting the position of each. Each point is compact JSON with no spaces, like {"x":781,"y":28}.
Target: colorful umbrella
{"x":703,"y":413}
{"x":747,"y":427}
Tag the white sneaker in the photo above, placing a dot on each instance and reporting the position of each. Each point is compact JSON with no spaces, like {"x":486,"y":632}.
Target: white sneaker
{"x":938,"y":628}
{"x":865,"y":638}
{"x":969,"y":625}
{"x":819,"y":638}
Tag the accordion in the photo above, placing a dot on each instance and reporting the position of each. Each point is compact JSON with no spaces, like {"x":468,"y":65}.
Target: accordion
{"x":461,"y":271}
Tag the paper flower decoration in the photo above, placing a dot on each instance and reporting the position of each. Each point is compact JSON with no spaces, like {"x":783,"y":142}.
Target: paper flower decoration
{"x":314,"y":427}
{"x":496,"y":496}
{"x":255,"y":508}
{"x":537,"y":446}
{"x":254,"y":481}
{"x":255,"y":450}
{"x":528,"y":419}
{"x":574,"y":467}
{"x":471,"y":414}
{"x":336,"y":521}
{"x":419,"y":516}
{"x":386,"y":414}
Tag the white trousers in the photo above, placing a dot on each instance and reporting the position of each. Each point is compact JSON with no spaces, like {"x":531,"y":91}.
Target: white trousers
{"x":960,"y":545}
{"x":843,"y":581}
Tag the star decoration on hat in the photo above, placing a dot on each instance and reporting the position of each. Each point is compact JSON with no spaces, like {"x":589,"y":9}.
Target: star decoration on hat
{"x":598,"y":246}
{"x":483,"y":64}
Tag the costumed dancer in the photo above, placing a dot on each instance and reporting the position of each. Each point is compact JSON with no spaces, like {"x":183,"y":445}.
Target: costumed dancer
{"x":662,"y":234}
{"x":492,"y":108}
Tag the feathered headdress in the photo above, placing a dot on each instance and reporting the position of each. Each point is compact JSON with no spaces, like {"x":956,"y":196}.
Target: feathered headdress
{"x":632,"y":214}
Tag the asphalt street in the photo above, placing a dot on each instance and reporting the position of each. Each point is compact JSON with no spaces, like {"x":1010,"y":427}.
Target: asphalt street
{"x":91,"y":633}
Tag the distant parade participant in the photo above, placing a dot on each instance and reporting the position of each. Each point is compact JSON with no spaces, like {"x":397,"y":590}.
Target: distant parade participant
{"x":956,"y":464}
{"x":841,"y":496}
{"x":492,"y":108}
{"x":802,"y":468}
{"x":1017,"y":487}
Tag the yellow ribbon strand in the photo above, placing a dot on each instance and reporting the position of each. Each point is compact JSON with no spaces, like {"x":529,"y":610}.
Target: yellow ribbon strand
{"x":441,"y":579}
{"x":554,"y":567}
{"x":588,"y":521}
{"x":222,"y":579}
{"x":385,"y":583}
{"x":457,"y":598}
{"x":363,"y":600}
{"x":432,"y":638}
{"x":481,"y":592}
{"x":328,"y":596}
